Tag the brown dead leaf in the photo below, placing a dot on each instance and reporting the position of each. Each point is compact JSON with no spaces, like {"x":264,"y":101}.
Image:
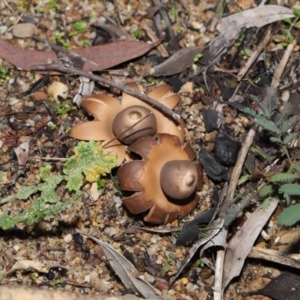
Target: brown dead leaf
{"x":96,"y":58}
{"x":240,"y":245}
{"x":178,"y":62}
{"x":29,"y":265}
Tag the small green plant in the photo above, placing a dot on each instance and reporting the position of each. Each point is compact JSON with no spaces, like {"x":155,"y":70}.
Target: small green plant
{"x":197,"y":57}
{"x":58,"y":282}
{"x":173,"y":13}
{"x":52,"y":4}
{"x":179,"y":29}
{"x":63,"y":108}
{"x":201,"y":263}
{"x":58,"y":37}
{"x":41,"y":10}
{"x":51,"y":125}
{"x":89,"y":162}
{"x":153,"y":81}
{"x":4,"y":74}
{"x":137,"y":34}
{"x":78,"y":27}
{"x":246,"y":53}
{"x":33,"y":276}
{"x":281,"y":127}
{"x":285,"y":37}
{"x":86,"y":43}
{"x":168,"y":263}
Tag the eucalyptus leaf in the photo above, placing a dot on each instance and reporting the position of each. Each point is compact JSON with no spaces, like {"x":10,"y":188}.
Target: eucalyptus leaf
{"x":126,"y":271}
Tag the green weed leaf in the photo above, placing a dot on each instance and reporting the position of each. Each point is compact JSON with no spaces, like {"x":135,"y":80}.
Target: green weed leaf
{"x":267,"y":124}
{"x":266,"y":203}
{"x":91,"y":160}
{"x":290,"y":137}
{"x":265,"y":191}
{"x":287,"y":124}
{"x":276,"y":140}
{"x":297,"y":168}
{"x":290,"y":215}
{"x":38,"y":210}
{"x":284,"y":177}
{"x":290,"y":189}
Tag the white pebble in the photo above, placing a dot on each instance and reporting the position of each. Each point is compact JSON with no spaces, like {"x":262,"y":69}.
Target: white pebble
{"x":68,"y":238}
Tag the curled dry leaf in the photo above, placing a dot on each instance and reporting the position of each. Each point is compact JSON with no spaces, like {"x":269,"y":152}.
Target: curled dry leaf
{"x":96,"y":58}
{"x":126,"y":271}
{"x":115,"y":119}
{"x":29,"y":265}
{"x":165,"y":180}
{"x":22,"y":153}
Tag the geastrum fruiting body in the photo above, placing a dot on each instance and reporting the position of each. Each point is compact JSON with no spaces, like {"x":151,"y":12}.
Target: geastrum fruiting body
{"x":115,"y":119}
{"x":164,"y":181}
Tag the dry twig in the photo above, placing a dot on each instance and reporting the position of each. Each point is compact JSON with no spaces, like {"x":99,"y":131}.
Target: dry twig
{"x":126,"y":89}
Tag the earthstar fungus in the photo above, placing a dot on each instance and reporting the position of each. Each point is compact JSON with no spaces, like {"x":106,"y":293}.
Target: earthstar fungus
{"x":164,"y":181}
{"x":112,"y":118}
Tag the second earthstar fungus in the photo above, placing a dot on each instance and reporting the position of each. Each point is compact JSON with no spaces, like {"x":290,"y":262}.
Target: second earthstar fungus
{"x":164,"y":181}
{"x":114,"y":123}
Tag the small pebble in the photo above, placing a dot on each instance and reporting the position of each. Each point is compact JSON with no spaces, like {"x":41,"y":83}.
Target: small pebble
{"x":285,"y":96}
{"x":24,"y":30}
{"x":68,"y":238}
{"x":38,"y":96}
{"x":94,"y":191}
{"x":184,"y":281}
{"x":110,"y":231}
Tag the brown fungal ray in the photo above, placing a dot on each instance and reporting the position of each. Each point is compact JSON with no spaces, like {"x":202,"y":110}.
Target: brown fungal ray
{"x":155,"y":152}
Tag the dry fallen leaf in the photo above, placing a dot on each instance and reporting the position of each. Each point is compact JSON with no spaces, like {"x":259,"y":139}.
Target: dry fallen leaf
{"x":126,"y":271}
{"x":216,"y":226}
{"x":255,"y":17}
{"x":231,"y":26}
{"x":22,"y":153}
{"x":240,"y":245}
{"x":178,"y":62}
{"x":29,"y":265}
{"x":96,"y":58}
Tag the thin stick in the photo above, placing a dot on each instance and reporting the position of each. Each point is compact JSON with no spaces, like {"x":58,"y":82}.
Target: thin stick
{"x":255,"y":54}
{"x":280,"y":68}
{"x":126,"y":89}
{"x":219,"y":275}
